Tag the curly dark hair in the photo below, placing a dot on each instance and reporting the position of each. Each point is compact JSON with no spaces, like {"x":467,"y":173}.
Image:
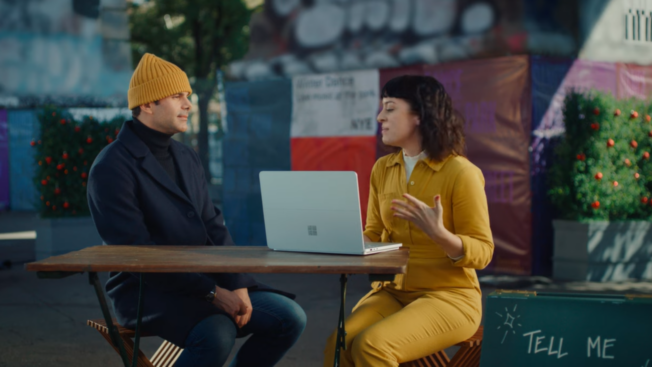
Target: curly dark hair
{"x":441,"y":127}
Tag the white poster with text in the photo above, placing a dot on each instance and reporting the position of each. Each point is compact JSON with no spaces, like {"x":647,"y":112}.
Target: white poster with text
{"x":339,"y":104}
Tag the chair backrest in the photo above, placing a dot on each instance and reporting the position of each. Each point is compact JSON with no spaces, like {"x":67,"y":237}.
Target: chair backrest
{"x":165,"y":356}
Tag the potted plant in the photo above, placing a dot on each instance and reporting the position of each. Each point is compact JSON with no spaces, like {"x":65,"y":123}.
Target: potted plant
{"x":65,"y":153}
{"x":601,"y":189}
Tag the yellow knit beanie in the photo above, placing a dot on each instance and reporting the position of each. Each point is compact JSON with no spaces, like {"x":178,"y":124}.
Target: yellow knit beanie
{"x":155,"y":79}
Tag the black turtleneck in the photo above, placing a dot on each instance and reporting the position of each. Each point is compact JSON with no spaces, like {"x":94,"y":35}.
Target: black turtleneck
{"x":159,"y":144}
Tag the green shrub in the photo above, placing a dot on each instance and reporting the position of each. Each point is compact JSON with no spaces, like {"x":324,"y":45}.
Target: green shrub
{"x":592,"y":120}
{"x":64,"y":154}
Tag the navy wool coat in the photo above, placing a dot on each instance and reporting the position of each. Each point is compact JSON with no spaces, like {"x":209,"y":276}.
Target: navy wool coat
{"x":134,"y":202}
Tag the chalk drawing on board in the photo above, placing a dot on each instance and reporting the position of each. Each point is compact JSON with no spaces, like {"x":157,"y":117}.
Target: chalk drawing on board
{"x":509,"y":322}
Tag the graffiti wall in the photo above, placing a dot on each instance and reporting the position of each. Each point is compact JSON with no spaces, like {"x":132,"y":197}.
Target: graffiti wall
{"x":292,"y":37}
{"x":616,"y":31}
{"x":64,"y":51}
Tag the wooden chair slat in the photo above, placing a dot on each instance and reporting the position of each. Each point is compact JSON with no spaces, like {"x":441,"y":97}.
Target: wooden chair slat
{"x":173,"y":356}
{"x":467,"y":356}
{"x":160,"y":353}
{"x":169,"y":355}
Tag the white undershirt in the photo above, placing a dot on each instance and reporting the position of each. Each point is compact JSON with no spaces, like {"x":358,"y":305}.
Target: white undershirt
{"x":410,"y":163}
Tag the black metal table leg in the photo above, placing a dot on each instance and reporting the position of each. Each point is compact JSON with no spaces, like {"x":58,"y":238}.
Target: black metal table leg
{"x":340,"y":343}
{"x":139,"y":318}
{"x":113,"y":331}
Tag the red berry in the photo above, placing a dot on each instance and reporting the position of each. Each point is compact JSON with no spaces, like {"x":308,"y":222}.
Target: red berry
{"x":646,"y":155}
{"x":598,"y":176}
{"x":89,"y":140}
{"x":610,"y":143}
{"x":617,"y":112}
{"x":595,"y":126}
{"x":84,"y":175}
{"x":59,"y":167}
{"x":62,"y":121}
{"x":66,"y":205}
{"x":77,"y":129}
{"x":581,"y":157}
{"x":595,"y":204}
{"x":649,"y":134}
{"x":648,"y":118}
{"x":596,"y":111}
{"x":65,"y":155}
{"x":615,"y":183}
{"x":57,"y":191}
{"x":644,"y":200}
{"x":32,"y":143}
{"x":636,"y":175}
{"x":109,"y":140}
{"x":48,"y":160}
{"x":54,"y":207}
{"x":54,"y":113}
{"x":633,"y":114}
{"x":633,"y":144}
{"x":44,"y":182}
{"x":81,"y":150}
{"x":627,"y":162}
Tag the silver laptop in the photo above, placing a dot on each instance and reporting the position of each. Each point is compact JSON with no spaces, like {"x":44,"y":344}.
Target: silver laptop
{"x":315,"y":212}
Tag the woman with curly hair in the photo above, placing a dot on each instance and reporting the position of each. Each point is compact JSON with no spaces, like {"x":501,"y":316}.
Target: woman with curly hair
{"x":430,"y":198}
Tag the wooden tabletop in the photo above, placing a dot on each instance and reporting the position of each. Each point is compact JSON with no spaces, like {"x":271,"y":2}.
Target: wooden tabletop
{"x":218,"y":259}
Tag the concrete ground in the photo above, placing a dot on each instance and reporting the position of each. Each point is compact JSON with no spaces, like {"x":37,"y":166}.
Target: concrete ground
{"x":42,"y":322}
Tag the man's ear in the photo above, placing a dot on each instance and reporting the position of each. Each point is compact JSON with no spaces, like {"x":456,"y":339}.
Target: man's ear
{"x":147,"y":108}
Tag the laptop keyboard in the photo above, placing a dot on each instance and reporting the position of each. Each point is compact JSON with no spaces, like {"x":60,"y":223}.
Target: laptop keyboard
{"x":375,"y":244}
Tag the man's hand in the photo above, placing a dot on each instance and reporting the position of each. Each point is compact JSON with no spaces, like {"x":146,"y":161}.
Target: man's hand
{"x":242,"y":320}
{"x":230,"y":303}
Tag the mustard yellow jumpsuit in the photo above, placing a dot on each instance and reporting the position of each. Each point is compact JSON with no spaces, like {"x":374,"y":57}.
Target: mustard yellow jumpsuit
{"x":438,"y":302}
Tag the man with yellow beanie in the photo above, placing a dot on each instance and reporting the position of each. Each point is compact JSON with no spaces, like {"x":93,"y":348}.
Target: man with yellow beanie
{"x":148,"y":189}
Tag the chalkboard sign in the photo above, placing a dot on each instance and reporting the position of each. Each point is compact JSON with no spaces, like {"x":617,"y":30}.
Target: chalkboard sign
{"x":555,"y":329}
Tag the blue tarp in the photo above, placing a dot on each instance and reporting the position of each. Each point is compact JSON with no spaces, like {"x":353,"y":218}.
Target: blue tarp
{"x":257,"y":139}
{"x":547,"y":76}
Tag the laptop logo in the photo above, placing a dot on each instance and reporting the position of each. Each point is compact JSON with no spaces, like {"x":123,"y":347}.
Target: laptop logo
{"x":312,"y":230}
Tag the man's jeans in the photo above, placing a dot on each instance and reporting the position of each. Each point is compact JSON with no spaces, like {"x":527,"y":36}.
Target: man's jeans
{"x":276,"y":324}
